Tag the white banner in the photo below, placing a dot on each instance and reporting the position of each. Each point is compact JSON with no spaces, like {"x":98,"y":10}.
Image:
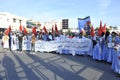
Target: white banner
{"x":46,"y":46}
{"x":26,"y":45}
{"x":110,"y":45}
{"x":69,"y":44}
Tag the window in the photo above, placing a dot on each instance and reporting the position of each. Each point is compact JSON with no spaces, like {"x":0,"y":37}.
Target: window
{"x":7,"y":20}
{"x":20,"y":21}
{"x":14,"y":20}
{"x":65,"y":24}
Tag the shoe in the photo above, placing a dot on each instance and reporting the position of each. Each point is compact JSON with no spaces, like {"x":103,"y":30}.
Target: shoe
{"x":33,"y":53}
{"x":30,"y":52}
{"x":18,"y":52}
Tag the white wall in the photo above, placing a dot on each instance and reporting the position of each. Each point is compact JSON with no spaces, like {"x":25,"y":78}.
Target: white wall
{"x":6,"y":19}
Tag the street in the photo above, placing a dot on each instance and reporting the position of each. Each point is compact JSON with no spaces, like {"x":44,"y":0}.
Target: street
{"x":52,"y":66}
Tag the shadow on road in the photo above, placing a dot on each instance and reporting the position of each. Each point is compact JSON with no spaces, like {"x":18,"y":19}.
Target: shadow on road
{"x":30,"y":75}
{"x":56,"y":69}
{"x":96,"y":65}
{"x":9,"y":66}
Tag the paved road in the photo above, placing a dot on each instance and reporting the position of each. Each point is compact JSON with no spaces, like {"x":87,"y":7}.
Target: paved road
{"x":52,"y":66}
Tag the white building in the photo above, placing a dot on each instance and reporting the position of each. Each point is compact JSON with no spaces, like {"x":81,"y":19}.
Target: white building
{"x":115,"y":29}
{"x":8,"y":19}
{"x":51,"y":23}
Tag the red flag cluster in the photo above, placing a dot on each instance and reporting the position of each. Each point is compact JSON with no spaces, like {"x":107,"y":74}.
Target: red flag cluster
{"x":104,"y":28}
{"x":55,"y":29}
{"x":23,"y":29}
{"x":101,"y":29}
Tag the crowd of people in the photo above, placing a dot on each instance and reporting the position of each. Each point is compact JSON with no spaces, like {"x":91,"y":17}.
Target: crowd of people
{"x":103,"y":40}
{"x":103,"y":45}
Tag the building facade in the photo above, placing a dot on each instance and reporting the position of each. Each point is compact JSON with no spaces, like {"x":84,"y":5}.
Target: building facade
{"x":8,"y":19}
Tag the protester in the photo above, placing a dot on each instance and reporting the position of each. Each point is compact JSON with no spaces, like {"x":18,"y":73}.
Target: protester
{"x":33,"y":39}
{"x":10,"y":37}
{"x":39,"y":36}
{"x":119,"y":38}
{"x":20,"y":38}
{"x":5,"y":41}
{"x":17,"y":41}
{"x":44,"y":36}
{"x":116,"y":39}
{"x":110,"y":48}
{"x":94,"y":40}
{"x":13,"y":41}
{"x":101,"y":48}
{"x":1,"y":35}
{"x":50,"y":37}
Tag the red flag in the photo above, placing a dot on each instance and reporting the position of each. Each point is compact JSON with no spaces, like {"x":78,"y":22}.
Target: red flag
{"x":100,"y":29}
{"x":104,"y":28}
{"x":20,"y":28}
{"x":24,"y":30}
{"x":34,"y":30}
{"x":56,"y":29}
{"x":45,"y":30}
{"x":52,"y":29}
{"x":92,"y":32}
{"x":8,"y":30}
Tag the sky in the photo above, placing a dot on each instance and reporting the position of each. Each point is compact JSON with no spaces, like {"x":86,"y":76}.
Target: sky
{"x":108,"y":11}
